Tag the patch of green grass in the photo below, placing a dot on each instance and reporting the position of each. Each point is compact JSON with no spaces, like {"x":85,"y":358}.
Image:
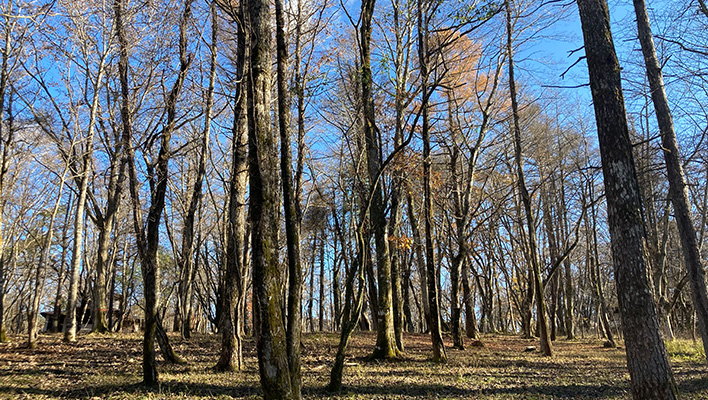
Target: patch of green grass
{"x":686,"y":350}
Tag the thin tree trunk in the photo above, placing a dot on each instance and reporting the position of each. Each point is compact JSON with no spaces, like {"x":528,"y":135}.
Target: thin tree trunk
{"x":54,"y":326}
{"x":106,"y":222}
{"x":321,"y":295}
{"x":420,"y":261}
{"x":546,"y":347}
{"x":148,"y":236}
{"x":353,"y":304}
{"x":41,"y":271}
{"x":70,"y":323}
{"x":647,"y":358}
{"x":311,"y":293}
{"x":292,"y":225}
{"x":185,"y":260}
{"x":439,"y":354}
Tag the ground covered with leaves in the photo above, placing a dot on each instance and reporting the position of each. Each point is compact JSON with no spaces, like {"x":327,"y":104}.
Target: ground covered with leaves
{"x":109,"y":366}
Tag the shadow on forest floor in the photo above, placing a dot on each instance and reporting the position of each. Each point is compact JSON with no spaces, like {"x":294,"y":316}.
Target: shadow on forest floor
{"x":109,"y":366}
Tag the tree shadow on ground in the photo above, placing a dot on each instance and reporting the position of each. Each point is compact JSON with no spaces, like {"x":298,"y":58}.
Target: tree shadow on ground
{"x":434,"y":391}
{"x":165,"y":389}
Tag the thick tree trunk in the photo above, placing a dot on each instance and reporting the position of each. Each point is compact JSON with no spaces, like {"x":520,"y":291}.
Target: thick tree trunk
{"x":678,"y":190}
{"x":6,"y":142}
{"x":467,"y":294}
{"x":647,"y":359}
{"x":264,"y":212}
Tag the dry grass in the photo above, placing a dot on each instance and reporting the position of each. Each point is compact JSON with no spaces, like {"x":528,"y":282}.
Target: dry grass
{"x":109,"y":366}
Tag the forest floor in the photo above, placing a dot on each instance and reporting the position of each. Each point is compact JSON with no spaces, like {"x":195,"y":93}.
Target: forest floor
{"x":109,"y":366}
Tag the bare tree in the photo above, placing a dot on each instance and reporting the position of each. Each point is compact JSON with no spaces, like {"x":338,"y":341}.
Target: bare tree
{"x":678,"y":190}
{"x":647,"y":359}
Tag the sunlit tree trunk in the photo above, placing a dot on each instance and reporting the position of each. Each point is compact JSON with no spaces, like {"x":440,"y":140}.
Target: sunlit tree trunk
{"x":385,"y":338}
{"x":231,"y":286}
{"x":264,"y":212}
{"x":647,"y":358}
{"x":292,"y":225}
{"x":678,"y":189}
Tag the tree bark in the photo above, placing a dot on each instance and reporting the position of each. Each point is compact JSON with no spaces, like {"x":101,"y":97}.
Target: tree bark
{"x":232,"y":285}
{"x":385,"y":338}
{"x":264,"y":211}
{"x":6,"y":142}
{"x":647,"y":358}
{"x":292,"y":220}
{"x":678,"y":189}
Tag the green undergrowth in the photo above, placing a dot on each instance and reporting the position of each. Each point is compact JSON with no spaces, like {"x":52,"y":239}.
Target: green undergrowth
{"x":109,"y":367}
{"x":686,"y":350}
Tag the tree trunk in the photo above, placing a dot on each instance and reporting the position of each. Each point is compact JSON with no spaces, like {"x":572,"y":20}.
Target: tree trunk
{"x":386,"y":338}
{"x":321,"y":294}
{"x":70,"y":321}
{"x":147,"y":237}
{"x":264,"y":212}
{"x":311,"y":293}
{"x":468,"y":294}
{"x":168,"y":352}
{"x":647,"y":359}
{"x":106,"y":222}
{"x":185,"y":259}
{"x":291,"y":206}
{"x":678,"y":189}
{"x":6,"y":142}
{"x":420,"y":262}
{"x":546,"y":347}
{"x":353,"y":304}
{"x":439,"y":354}
{"x":231,"y":286}
{"x":41,"y":272}
{"x":54,"y":326}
